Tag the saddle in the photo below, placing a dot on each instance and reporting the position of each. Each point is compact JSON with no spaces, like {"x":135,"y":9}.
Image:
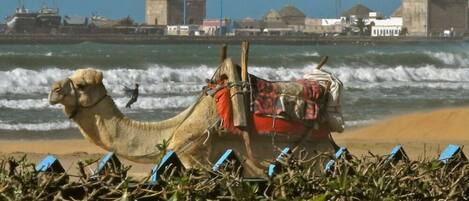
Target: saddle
{"x":267,"y":106}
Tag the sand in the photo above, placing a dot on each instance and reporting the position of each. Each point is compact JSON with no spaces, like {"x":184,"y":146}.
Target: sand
{"x":423,"y":135}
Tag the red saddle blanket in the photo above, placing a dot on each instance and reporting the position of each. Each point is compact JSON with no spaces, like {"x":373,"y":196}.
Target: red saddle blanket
{"x":266,"y":97}
{"x":288,"y":100}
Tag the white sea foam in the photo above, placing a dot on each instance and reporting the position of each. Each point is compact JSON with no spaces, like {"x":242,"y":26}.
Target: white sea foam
{"x":310,"y":54}
{"x":427,"y":73}
{"x":165,"y":80}
{"x":449,"y":58}
{"x":26,"y":104}
{"x":158,"y":103}
{"x":24,"y":81}
{"x":358,"y":123}
{"x":46,"y":126}
{"x":61,"y":125}
{"x":143,"y":103}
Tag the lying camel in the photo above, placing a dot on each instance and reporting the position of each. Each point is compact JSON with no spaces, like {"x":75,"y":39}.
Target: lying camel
{"x":86,"y":102}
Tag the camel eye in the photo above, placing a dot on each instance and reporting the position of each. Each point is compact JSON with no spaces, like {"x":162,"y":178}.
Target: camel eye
{"x":80,"y":86}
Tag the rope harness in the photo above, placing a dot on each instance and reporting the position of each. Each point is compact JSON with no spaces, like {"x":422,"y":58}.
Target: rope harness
{"x":77,"y":101}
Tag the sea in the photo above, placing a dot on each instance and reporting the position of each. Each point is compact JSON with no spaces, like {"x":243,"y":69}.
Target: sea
{"x":380,"y":81}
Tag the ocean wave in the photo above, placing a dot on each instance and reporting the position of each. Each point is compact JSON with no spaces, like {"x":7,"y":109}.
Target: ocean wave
{"x":413,"y":58}
{"x":62,"y":125}
{"x":46,"y":126}
{"x":449,"y":58}
{"x":356,"y":123}
{"x":306,"y":54}
{"x":143,"y":103}
{"x":427,"y":73}
{"x":158,"y":80}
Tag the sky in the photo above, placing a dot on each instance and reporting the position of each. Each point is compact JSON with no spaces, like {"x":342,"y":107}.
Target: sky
{"x":234,"y":9}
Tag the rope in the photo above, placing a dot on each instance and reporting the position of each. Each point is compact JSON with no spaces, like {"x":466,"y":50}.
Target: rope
{"x":78,"y":105}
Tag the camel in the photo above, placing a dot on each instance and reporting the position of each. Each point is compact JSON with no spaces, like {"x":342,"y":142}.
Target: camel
{"x":87,"y":103}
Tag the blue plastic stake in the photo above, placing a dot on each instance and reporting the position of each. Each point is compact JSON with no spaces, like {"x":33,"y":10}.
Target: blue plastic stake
{"x":342,"y":152}
{"x":329,"y":166}
{"x":109,"y":158}
{"x":275,"y":166}
{"x":170,"y":159}
{"x":451,"y":152}
{"x":50,"y":164}
{"x":228,"y":156}
{"x":397,"y":154}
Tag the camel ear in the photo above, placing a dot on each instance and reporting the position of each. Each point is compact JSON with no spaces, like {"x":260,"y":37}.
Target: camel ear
{"x":98,"y":79}
{"x":92,"y":76}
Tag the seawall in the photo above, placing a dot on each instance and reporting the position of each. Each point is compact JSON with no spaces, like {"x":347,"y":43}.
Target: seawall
{"x":266,"y":40}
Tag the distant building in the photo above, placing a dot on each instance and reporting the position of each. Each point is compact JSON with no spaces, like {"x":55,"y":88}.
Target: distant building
{"x":292,"y":15}
{"x":273,"y":16}
{"x":324,"y":26}
{"x":171,"y":12}
{"x":359,"y":11}
{"x":375,"y":15}
{"x":284,"y":22}
{"x":46,"y":20}
{"x":154,"y":30}
{"x":215,"y":27}
{"x":182,"y":30}
{"x":397,"y":12}
{"x":3,"y":28}
{"x":75,"y":21}
{"x":75,"y":25}
{"x":435,"y":17}
{"x":386,"y":27}
{"x":248,"y":27}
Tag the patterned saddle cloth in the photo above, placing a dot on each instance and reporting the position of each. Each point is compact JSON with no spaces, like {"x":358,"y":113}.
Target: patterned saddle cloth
{"x":296,"y":100}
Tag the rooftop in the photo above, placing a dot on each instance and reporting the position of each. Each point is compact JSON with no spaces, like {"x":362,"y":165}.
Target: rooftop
{"x":291,"y":11}
{"x":359,"y":10}
{"x":272,"y":16}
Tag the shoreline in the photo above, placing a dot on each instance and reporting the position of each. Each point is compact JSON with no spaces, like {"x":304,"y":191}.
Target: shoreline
{"x":262,"y":40}
{"x":423,"y":135}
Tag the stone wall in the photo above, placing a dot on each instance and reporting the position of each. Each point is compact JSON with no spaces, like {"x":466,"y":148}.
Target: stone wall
{"x":196,"y":11}
{"x":315,"y":26}
{"x":175,"y":12}
{"x":171,"y":12}
{"x":415,"y":15}
{"x":156,"y":12}
{"x":447,"y":14}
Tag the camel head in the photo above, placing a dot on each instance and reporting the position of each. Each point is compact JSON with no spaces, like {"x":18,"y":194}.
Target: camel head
{"x":83,"y":89}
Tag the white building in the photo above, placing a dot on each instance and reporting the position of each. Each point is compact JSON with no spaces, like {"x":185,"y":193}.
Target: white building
{"x":213,"y":27}
{"x":376,"y":15}
{"x":182,"y":30}
{"x":386,"y":27}
{"x":324,"y":26}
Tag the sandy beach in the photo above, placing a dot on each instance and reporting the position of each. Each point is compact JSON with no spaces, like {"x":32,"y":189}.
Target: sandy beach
{"x":422,"y":134}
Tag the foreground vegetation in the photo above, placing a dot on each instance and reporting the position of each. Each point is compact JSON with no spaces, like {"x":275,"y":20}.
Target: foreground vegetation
{"x":302,"y":177}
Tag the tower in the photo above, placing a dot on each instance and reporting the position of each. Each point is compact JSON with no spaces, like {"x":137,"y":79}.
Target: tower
{"x":171,"y":12}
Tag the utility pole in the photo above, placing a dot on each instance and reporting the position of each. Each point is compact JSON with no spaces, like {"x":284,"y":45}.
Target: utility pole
{"x":185,"y":4}
{"x":221,"y":17}
{"x":338,"y":8}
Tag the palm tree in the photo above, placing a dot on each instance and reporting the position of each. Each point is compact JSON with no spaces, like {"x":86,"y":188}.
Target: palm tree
{"x":360,"y":25}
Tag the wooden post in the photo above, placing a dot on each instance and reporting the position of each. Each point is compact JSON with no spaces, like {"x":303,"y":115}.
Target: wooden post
{"x":323,"y":61}
{"x":223,"y":53}
{"x":244,"y":61}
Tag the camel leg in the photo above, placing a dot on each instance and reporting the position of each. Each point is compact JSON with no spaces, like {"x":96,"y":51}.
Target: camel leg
{"x":252,"y":163}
